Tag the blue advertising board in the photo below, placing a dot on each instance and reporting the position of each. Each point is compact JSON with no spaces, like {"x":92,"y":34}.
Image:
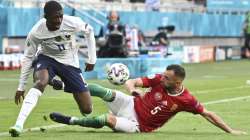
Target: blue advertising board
{"x":225,"y":4}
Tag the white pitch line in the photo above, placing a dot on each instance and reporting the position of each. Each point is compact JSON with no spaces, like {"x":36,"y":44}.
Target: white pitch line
{"x":193,"y":92}
{"x":62,"y":125}
{"x":226,"y":100}
{"x":1,"y":98}
{"x":220,"y":89}
{"x":8,"y":80}
{"x":36,"y":128}
{"x":4,"y":134}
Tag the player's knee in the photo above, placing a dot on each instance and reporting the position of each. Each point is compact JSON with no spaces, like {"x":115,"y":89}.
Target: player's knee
{"x":86,"y":110}
{"x":111,"y":120}
{"x":41,"y":84}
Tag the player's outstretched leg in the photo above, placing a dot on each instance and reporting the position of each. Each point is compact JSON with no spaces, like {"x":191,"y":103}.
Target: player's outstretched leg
{"x":95,"y":90}
{"x":94,"y":122}
{"x":106,"y":94}
{"x":60,"y":118}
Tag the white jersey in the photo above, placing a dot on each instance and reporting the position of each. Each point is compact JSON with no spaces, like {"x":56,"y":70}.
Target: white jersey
{"x":59,"y":45}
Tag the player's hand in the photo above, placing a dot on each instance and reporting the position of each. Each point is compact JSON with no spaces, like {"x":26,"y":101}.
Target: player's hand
{"x":19,"y":96}
{"x":89,"y":67}
{"x":238,"y":132}
{"x":136,"y":92}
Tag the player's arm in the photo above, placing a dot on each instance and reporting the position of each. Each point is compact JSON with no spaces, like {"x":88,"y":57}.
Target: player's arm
{"x":217,"y":121}
{"x":91,"y":44}
{"x":132,"y":86}
{"x":29,"y":54}
{"x":88,"y":33}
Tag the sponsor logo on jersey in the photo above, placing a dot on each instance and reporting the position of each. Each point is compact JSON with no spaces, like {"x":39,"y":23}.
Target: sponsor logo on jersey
{"x":38,"y":65}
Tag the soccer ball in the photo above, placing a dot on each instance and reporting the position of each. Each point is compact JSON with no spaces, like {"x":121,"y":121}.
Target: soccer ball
{"x":118,"y":73}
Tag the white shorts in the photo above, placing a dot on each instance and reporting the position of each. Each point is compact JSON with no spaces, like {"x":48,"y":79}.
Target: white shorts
{"x":123,"y":108}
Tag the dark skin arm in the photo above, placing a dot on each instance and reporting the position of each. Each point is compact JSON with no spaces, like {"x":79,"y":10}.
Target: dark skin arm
{"x":89,"y":67}
{"x":19,"y":97}
{"x":40,"y":77}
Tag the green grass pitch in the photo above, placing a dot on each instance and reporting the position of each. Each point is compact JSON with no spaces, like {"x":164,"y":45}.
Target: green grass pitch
{"x":209,"y":82}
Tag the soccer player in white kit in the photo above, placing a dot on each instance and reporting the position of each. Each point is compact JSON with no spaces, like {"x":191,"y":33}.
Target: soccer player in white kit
{"x":55,"y":35}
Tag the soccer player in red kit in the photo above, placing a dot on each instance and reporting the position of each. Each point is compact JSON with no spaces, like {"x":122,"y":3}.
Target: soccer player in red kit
{"x":145,"y":112}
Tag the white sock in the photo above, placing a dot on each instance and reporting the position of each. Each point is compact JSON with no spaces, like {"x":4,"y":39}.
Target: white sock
{"x":72,"y":119}
{"x":29,"y":103}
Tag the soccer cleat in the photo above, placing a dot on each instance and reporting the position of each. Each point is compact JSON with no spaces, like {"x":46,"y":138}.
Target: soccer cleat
{"x":15,"y":131}
{"x":60,"y":118}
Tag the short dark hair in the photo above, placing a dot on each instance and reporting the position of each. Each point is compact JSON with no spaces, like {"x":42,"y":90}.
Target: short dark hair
{"x":179,"y":71}
{"x":51,"y":6}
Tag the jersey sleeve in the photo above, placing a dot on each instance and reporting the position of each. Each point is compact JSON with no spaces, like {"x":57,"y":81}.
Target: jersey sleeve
{"x":79,"y":24}
{"x":88,"y":32}
{"x":194,"y":106}
{"x":31,"y":46}
{"x":151,"y":80}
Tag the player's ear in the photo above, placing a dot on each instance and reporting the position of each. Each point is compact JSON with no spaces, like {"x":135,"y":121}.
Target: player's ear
{"x":178,"y":83}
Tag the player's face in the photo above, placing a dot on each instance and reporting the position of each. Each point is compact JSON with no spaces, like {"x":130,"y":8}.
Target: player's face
{"x":54,"y":20}
{"x":114,"y":16}
{"x":169,"y":79}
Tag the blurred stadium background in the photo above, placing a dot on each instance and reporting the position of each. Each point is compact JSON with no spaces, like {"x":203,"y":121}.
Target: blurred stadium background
{"x":207,"y":41}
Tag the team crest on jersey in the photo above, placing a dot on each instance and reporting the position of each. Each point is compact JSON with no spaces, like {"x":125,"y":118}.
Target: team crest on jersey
{"x":66,"y":36}
{"x":158,"y":96}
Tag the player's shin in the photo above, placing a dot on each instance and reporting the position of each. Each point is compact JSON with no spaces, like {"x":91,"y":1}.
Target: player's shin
{"x":102,"y":92}
{"x":29,"y":103}
{"x":94,"y":122}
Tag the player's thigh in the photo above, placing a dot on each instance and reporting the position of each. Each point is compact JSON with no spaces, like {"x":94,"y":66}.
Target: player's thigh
{"x":73,"y":79}
{"x":51,"y":74}
{"x":41,"y":78}
{"x":122,"y":104}
{"x":43,"y":70}
{"x":84,"y":101}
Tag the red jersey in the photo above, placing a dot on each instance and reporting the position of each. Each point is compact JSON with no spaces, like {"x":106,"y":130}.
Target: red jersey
{"x":157,"y":106}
